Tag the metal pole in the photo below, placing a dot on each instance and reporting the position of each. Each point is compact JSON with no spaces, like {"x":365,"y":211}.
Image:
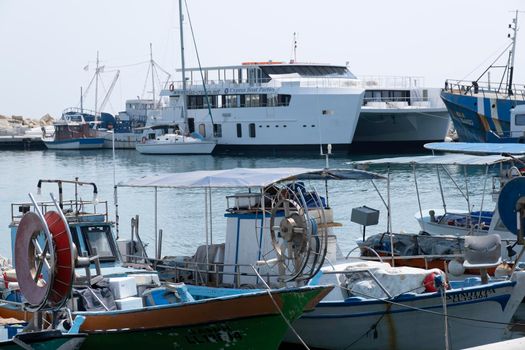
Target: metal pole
{"x":417,"y":193}
{"x":441,"y":190}
{"x":389,"y":217}
{"x":183,"y":67}
{"x":156,"y":221}
{"x":206,"y":229}
{"x":469,"y":217}
{"x":211,"y":217}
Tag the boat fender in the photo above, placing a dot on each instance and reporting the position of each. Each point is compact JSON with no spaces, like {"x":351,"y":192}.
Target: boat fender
{"x":433,"y":281}
{"x":455,"y":268}
{"x":172,"y":87}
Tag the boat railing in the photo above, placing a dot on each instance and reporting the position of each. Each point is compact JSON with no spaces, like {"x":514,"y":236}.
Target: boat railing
{"x":214,"y":87}
{"x":427,"y":258}
{"x":74,"y":210}
{"x":210,"y":273}
{"x":71,"y":110}
{"x":391,"y":82}
{"x":484,"y":89}
{"x":397,"y":102}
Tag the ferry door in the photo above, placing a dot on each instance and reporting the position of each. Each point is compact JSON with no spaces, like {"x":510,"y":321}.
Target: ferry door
{"x":202,"y":130}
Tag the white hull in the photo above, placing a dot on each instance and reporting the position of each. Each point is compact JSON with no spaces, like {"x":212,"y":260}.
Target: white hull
{"x":313,"y":117}
{"x":412,"y":321}
{"x":122,"y":140}
{"x":402,"y":125}
{"x":203,"y":147}
{"x":365,"y":325}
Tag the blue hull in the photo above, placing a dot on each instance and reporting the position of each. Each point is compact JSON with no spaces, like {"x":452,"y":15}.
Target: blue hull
{"x":474,"y":117}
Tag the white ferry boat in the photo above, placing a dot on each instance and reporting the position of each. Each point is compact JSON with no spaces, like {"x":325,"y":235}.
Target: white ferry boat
{"x":401,"y":112}
{"x":268,"y":106}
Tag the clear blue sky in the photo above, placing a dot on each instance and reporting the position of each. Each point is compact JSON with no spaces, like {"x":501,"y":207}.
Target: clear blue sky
{"x":45,"y":44}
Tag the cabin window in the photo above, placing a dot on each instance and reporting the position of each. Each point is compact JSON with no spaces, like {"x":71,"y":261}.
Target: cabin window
{"x":191,"y":125}
{"x":100,"y":241}
{"x":239,"y":130}
{"x":217,"y":130}
{"x":252,"y":129}
{"x":519,"y":119}
{"x":202,"y":130}
{"x":283,"y":100}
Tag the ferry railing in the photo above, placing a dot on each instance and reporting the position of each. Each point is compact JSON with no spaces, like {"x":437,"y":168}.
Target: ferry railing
{"x":315,"y":82}
{"x":391,"y":81}
{"x":484,"y":89}
{"x":75,"y":211}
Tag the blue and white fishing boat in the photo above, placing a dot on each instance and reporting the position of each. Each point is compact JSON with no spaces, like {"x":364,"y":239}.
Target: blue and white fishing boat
{"x":482,"y":111}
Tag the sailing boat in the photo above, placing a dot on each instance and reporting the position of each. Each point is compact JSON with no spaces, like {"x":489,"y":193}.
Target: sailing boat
{"x":173,"y":141}
{"x":77,"y":129}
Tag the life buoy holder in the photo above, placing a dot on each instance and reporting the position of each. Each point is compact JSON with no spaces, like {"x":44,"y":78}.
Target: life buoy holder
{"x":53,"y":262}
{"x":172,"y":87}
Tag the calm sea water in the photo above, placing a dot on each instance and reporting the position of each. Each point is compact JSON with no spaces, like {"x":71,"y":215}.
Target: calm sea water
{"x":181,"y":212}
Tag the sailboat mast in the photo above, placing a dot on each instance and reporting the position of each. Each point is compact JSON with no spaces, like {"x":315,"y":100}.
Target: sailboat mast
{"x":513,"y":52}
{"x":96,"y":89}
{"x":183,"y":68}
{"x":152,"y":74}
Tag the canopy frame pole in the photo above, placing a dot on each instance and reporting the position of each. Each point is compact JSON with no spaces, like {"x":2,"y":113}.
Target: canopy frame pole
{"x":379,"y":193}
{"x":469,"y":216}
{"x":483,"y":194}
{"x":455,"y":183}
{"x":156,"y":220}
{"x":389,"y":217}
{"x":417,"y":192}
{"x":210,"y":216}
{"x":206,"y":227}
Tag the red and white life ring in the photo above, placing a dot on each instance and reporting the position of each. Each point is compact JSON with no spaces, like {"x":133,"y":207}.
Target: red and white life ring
{"x":60,"y":275}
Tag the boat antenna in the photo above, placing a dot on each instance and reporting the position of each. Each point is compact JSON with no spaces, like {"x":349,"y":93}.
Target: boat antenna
{"x":183,"y":68}
{"x":294,"y":47}
{"x":152,"y":71}
{"x":512,"y":52}
{"x":81,"y":102}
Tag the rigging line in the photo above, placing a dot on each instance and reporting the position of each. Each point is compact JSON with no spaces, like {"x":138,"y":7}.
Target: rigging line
{"x":372,"y":327}
{"x":128,"y":65}
{"x":146,"y":82}
{"x":497,"y":58}
{"x":199,"y":62}
{"x":486,"y":59}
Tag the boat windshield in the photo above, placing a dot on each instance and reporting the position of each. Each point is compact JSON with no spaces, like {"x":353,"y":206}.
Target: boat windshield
{"x":307,"y":70}
{"x":99,"y":242}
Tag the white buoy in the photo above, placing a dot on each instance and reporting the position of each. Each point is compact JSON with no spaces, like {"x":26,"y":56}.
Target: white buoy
{"x":455,"y":268}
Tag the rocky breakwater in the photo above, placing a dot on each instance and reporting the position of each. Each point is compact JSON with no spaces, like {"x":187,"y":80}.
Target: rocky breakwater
{"x":16,"y":125}
{"x":19,"y":132}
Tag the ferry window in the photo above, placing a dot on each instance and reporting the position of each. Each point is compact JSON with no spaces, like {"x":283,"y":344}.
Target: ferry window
{"x":242,"y":102}
{"x":519,"y":119}
{"x":231,"y":101}
{"x":239,"y":130}
{"x":191,"y":125}
{"x":217,"y":130}
{"x":283,"y":100}
{"x":252,"y":130}
{"x":98,"y":238}
{"x":202,"y":130}
{"x":263,"y":100}
{"x":271,"y":100}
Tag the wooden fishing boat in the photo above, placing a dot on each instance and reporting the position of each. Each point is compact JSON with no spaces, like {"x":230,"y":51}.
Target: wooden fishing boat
{"x":137,"y":313}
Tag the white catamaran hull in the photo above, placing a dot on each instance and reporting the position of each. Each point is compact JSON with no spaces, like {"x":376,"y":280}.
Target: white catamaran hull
{"x":402,"y":125}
